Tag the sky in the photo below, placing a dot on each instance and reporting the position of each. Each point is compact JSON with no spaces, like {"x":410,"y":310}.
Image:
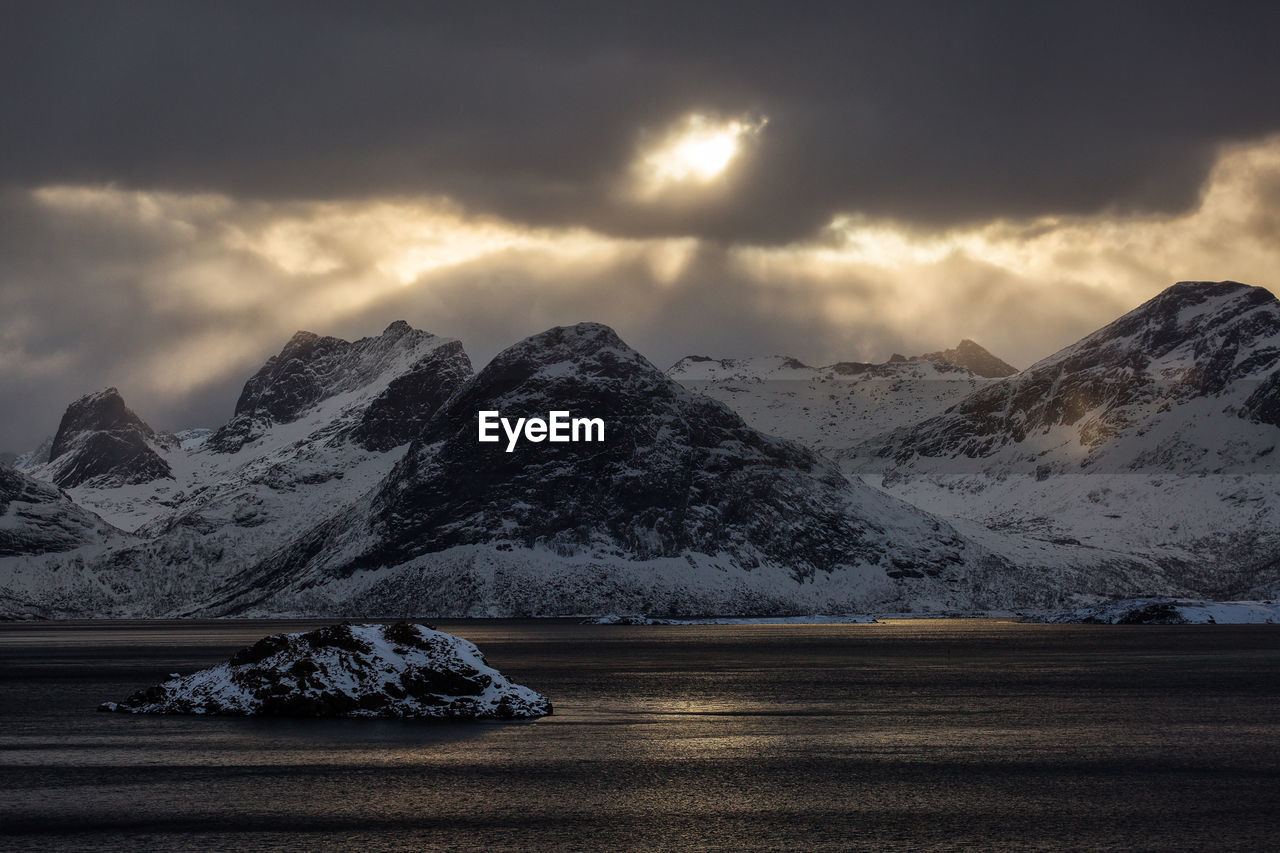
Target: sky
{"x":184,"y":185}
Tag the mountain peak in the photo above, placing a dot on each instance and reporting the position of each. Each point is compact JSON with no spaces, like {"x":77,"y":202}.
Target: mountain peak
{"x":100,"y":439}
{"x":969,"y":355}
{"x":583,"y":348}
{"x":590,"y":335}
{"x":101,"y":411}
{"x":301,"y":338}
{"x":414,"y":370}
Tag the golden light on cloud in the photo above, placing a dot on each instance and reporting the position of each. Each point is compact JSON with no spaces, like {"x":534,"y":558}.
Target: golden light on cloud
{"x":694,"y":152}
{"x":254,"y":271}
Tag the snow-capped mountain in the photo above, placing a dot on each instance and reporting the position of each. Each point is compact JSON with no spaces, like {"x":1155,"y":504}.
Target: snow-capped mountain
{"x":829,"y":408}
{"x":350,"y":480}
{"x":684,"y":508}
{"x":1152,"y":436}
{"x":311,"y":431}
{"x":101,"y":443}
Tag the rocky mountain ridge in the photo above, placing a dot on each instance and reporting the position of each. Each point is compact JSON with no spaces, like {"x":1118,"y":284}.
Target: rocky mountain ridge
{"x":349,"y":481}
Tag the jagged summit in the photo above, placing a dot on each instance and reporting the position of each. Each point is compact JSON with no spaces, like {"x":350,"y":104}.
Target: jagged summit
{"x":101,"y":442}
{"x":401,"y":375}
{"x":592,"y":348}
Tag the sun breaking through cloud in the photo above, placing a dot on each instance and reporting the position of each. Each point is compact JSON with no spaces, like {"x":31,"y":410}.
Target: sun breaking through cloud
{"x":693,"y":153}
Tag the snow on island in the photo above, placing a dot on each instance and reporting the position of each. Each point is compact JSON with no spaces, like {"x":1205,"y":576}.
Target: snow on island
{"x":387,"y":671}
{"x":1170,"y":611}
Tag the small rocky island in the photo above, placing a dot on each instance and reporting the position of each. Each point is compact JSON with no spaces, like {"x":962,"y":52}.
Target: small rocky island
{"x":379,"y":671}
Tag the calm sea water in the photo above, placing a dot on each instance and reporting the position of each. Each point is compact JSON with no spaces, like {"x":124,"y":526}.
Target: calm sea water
{"x":921,"y":735}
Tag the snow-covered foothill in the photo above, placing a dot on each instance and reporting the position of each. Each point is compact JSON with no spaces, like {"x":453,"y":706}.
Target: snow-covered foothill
{"x":384,"y":671}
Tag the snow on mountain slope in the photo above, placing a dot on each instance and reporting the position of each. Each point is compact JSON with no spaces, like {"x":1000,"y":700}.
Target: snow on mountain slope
{"x":682,"y":509}
{"x":1178,"y":384}
{"x":827,"y":408}
{"x":1150,"y":436}
{"x":37,"y":518}
{"x":45,"y":540}
{"x":33,"y":458}
{"x":322,"y":410}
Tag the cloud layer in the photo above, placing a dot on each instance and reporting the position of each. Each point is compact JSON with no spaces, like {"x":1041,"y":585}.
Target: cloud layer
{"x":935,"y":113}
{"x":175,"y":297}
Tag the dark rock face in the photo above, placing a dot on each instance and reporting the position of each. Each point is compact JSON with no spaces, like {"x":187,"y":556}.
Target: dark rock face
{"x":36,"y":518}
{"x":398,"y":414}
{"x":311,"y":369}
{"x":1193,"y":340}
{"x":7,"y":459}
{"x":968,"y":355}
{"x":677,"y":472}
{"x":100,"y":441}
{"x":1263,"y":405}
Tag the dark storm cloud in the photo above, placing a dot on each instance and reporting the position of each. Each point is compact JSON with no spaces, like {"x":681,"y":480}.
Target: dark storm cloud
{"x":923,"y":112}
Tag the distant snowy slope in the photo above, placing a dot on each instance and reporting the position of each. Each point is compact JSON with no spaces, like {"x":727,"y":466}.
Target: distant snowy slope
{"x":827,"y":408}
{"x":1170,"y":611}
{"x":45,"y":541}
